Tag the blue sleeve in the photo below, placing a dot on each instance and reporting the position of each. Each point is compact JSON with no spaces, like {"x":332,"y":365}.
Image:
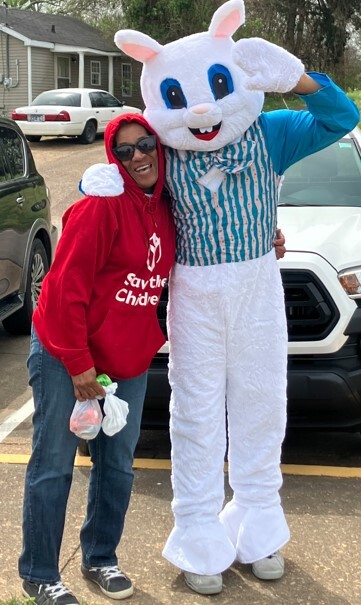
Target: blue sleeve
{"x":292,"y":135}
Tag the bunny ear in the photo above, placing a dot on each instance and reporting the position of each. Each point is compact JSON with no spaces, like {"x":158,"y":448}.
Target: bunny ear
{"x":137,"y":45}
{"x":227,"y":19}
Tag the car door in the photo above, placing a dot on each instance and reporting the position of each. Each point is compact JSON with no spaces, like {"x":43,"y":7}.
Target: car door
{"x":108,"y":107}
{"x":16,"y":215}
{"x":102,"y":112}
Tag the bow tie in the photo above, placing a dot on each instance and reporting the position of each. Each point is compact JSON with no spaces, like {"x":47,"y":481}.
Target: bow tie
{"x":231,"y":158}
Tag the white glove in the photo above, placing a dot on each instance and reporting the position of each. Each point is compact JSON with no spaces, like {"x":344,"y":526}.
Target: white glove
{"x":102,"y":180}
{"x":269,"y":67}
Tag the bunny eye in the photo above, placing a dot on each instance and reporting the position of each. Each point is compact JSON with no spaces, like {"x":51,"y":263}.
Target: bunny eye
{"x":172,"y":94}
{"x":220,"y":81}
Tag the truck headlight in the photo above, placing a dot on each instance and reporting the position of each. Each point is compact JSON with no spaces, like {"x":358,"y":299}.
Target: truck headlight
{"x":350,"y":280}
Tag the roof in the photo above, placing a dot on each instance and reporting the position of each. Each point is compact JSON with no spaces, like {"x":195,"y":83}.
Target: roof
{"x":57,"y":29}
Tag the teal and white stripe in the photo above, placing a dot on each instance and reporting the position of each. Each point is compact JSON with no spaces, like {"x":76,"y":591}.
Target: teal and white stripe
{"x":237,"y":222}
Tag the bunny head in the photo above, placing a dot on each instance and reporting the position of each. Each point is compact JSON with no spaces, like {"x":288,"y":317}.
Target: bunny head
{"x":195,"y":94}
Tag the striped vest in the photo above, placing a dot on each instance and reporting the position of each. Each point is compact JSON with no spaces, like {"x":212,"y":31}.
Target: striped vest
{"x":238,"y":221}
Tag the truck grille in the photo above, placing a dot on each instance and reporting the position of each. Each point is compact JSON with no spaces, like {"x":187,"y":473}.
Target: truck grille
{"x":162,"y":311}
{"x":310,"y":310}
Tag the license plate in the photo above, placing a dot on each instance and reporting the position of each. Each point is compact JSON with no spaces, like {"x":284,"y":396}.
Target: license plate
{"x":33,"y":117}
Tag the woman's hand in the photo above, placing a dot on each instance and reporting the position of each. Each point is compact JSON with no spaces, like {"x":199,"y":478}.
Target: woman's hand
{"x":279,"y":244}
{"x":86,"y":386}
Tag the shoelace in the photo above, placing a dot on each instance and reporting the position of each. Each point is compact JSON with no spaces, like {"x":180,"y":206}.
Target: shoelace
{"x":271,"y":556}
{"x":108,"y":572}
{"x":55,"y":590}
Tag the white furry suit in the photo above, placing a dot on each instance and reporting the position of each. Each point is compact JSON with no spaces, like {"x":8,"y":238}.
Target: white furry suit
{"x":228,"y":343}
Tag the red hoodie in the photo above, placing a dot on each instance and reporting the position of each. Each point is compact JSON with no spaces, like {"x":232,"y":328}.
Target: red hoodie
{"x":98,"y":303}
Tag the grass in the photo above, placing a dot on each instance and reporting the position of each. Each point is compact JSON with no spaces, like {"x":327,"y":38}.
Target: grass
{"x":355,"y":95}
{"x":16,"y":601}
{"x":290,"y":101}
{"x":286,"y":101}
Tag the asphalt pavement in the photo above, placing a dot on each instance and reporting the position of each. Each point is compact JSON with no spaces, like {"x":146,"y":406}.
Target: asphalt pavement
{"x":321,"y":497}
{"x":323,"y":562}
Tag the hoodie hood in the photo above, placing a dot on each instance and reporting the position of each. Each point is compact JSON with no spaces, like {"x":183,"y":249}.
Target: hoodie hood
{"x":109,"y":139}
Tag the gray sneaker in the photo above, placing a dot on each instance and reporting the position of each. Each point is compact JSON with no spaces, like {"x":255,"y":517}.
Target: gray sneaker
{"x":111,"y":581}
{"x":269,"y":568}
{"x":203,"y":584}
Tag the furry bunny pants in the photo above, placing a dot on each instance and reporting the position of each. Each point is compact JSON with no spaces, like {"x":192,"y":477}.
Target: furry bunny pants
{"x":228,"y":364}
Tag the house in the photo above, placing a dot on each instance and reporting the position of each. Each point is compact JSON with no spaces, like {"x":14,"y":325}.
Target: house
{"x":41,"y":51}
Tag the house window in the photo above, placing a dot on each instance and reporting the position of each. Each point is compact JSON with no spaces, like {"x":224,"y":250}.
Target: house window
{"x":95,"y":73}
{"x":63,"y":72}
{"x":127,"y":84}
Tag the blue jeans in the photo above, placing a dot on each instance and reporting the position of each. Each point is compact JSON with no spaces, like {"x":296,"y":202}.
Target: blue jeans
{"x":50,"y":471}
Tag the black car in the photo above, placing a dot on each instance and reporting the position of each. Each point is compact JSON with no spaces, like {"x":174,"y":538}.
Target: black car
{"x":27,"y":236}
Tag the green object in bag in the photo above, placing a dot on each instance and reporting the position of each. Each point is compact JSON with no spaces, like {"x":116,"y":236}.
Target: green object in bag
{"x":104,"y":380}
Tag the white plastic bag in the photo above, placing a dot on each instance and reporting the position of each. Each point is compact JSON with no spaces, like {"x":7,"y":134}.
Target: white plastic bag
{"x":115,"y":411}
{"x":86,"y":419}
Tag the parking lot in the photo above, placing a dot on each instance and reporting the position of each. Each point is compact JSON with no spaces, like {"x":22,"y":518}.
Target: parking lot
{"x":321,"y":492}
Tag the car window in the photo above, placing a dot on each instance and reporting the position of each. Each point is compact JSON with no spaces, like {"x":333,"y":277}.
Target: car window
{"x":104,"y":99}
{"x":12,"y":146}
{"x":54,"y":97}
{"x":329,"y":177}
{"x":4,"y":172}
{"x":95,"y":99}
{"x":109,"y":101}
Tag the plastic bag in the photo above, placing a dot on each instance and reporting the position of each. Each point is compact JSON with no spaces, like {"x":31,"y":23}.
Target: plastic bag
{"x":115,"y":411}
{"x":86,"y":419}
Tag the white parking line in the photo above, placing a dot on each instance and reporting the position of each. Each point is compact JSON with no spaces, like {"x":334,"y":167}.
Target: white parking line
{"x":13,"y":421}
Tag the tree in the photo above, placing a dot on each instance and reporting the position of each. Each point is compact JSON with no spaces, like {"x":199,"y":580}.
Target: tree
{"x":317,"y":31}
{"x":167,"y":20}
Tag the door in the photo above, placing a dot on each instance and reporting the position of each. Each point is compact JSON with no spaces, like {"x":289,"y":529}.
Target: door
{"x":16,"y":212}
{"x":63,"y":72}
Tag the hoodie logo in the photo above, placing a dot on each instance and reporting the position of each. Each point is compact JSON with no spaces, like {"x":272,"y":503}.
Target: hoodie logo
{"x":154,"y":252}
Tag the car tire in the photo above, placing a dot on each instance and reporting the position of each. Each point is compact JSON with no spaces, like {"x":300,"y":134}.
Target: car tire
{"x":32,"y":138}
{"x":20,"y":321}
{"x":89,"y":133}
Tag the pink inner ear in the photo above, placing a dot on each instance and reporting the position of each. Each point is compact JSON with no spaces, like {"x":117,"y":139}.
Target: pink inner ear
{"x":229,"y":25}
{"x":141,"y":53}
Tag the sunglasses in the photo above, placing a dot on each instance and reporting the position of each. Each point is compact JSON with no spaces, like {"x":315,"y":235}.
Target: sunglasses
{"x":125,"y":151}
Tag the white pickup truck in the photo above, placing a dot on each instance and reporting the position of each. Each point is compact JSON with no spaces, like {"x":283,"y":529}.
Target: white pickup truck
{"x":320,"y":215}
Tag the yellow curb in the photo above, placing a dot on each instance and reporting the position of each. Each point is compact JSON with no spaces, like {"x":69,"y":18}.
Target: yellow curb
{"x":322,"y":471}
{"x":161,"y":464}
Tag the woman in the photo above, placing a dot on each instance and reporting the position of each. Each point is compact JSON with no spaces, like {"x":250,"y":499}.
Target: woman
{"x":96,"y":313}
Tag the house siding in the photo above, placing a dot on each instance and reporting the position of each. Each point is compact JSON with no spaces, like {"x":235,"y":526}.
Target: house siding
{"x":43,"y":74}
{"x":104,"y":71}
{"x":42,"y":65}
{"x":136,"y":98}
{"x":17,"y":96}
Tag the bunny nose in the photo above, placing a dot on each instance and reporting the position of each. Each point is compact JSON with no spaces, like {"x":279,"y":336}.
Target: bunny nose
{"x":201,"y":108}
